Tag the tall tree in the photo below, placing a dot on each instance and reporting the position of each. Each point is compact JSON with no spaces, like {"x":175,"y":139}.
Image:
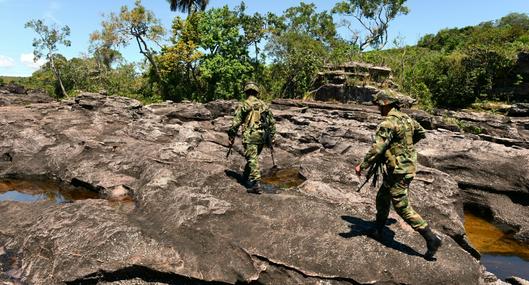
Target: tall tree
{"x":46,"y":44}
{"x":301,"y":42}
{"x":374,"y":17}
{"x":139,"y":25}
{"x":102,"y":46}
{"x":209,"y":57}
{"x":188,"y":6}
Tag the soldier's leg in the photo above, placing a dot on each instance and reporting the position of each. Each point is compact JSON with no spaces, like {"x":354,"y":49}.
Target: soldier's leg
{"x":399,"y":196}
{"x":251,"y":153}
{"x":246,"y":173}
{"x":401,"y":202}
{"x":383,"y":203}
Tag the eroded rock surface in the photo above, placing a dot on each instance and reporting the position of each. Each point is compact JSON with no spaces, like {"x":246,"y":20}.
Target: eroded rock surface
{"x":12,"y":94}
{"x":191,"y":222}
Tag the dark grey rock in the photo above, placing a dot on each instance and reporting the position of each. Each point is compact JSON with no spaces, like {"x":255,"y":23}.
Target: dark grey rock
{"x":517,"y":281}
{"x":191,"y":221}
{"x":519,"y":110}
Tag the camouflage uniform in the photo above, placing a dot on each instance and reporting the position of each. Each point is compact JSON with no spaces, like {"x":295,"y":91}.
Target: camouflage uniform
{"x":394,"y":144}
{"x":258,"y":126}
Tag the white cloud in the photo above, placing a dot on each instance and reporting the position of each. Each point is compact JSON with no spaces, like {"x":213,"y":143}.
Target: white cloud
{"x":6,"y":61}
{"x":28,"y":60}
{"x":53,"y":7}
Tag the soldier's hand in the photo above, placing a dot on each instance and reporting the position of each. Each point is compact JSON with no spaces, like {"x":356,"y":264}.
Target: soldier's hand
{"x":231,"y":135}
{"x":358,"y":170}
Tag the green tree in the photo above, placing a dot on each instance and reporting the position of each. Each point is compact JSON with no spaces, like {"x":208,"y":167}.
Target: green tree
{"x":515,"y":20}
{"x":255,"y":29}
{"x":302,"y":41}
{"x":188,"y":6}
{"x":209,"y":57}
{"x":102,"y":46}
{"x":179,"y":61}
{"x":139,"y":25}
{"x":374,"y":16}
{"x":49,"y":37}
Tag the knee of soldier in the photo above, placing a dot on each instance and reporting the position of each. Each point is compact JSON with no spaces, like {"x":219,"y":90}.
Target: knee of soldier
{"x":400,"y":202}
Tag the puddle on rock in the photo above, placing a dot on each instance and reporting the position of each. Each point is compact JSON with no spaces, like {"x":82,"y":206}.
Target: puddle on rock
{"x":39,"y":190}
{"x":284,"y":178}
{"x":501,"y":254}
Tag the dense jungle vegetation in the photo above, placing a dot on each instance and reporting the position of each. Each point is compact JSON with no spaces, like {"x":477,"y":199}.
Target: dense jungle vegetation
{"x":209,"y":53}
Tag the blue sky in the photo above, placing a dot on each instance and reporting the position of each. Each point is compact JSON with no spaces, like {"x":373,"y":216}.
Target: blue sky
{"x":84,"y":17}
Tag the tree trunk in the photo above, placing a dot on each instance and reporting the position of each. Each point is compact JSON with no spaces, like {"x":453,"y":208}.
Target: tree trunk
{"x":148,"y":54}
{"x":57,"y":75}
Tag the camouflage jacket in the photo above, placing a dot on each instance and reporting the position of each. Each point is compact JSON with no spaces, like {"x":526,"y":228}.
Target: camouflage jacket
{"x":394,"y":144}
{"x":258,"y":124}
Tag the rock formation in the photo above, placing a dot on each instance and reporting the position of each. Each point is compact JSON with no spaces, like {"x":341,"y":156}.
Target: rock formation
{"x":191,"y":221}
{"x":353,"y":81}
{"x":12,"y":94}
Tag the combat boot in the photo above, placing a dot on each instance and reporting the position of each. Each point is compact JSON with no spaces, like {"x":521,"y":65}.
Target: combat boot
{"x":433,"y":242}
{"x":254,"y":187}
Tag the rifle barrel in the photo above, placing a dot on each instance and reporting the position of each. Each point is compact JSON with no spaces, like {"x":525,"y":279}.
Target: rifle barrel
{"x":229,"y":149}
{"x":272,"y":153}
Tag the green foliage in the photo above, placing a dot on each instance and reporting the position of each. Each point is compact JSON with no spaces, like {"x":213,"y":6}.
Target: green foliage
{"x":470,"y":128}
{"x":83,"y":74}
{"x":138,"y":25}
{"x":188,"y":6}
{"x":302,"y":41}
{"x":209,"y":58}
{"x":374,"y":17}
{"x":457,"y":67}
{"x":49,"y":37}
{"x":211,"y":53}
{"x":509,"y":29}
{"x":226,"y":63}
{"x":298,"y":58}
{"x":103,"y":45}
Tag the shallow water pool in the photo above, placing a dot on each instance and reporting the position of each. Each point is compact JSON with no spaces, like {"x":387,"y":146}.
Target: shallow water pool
{"x":40,"y":189}
{"x":501,"y":254}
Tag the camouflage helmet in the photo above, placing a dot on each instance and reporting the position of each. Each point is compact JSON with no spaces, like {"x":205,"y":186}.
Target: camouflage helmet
{"x":251,"y":86}
{"x":383,"y":98}
{"x":389,"y":97}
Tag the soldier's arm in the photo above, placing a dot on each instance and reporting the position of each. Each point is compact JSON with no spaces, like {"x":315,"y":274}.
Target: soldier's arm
{"x":237,"y":120}
{"x":419,"y":132}
{"x":380,"y":145}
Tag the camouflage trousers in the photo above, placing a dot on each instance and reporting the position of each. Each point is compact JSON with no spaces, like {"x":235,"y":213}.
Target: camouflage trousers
{"x":394,"y":190}
{"x":251,"y":169}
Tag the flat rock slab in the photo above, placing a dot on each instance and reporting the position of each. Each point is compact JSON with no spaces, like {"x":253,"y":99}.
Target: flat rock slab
{"x":190,"y":221}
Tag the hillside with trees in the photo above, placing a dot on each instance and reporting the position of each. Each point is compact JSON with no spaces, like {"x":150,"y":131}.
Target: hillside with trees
{"x":208,"y":54}
{"x":457,"y":67}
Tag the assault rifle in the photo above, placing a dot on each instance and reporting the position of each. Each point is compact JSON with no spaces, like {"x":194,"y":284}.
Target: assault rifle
{"x":376,"y":168}
{"x":374,"y":171}
{"x":270,"y":144}
{"x":230,"y":147}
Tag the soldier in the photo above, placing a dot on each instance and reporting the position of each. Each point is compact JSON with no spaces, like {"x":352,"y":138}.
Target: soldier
{"x":258,"y":129}
{"x":394,"y":149}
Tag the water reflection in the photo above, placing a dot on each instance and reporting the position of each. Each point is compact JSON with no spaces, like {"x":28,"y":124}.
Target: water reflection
{"x":38,"y":190}
{"x":501,"y":254}
{"x":284,"y":178}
